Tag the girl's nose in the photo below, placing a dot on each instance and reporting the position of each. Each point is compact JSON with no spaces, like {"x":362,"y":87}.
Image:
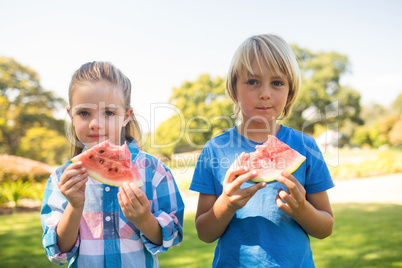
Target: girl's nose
{"x":95,"y":123}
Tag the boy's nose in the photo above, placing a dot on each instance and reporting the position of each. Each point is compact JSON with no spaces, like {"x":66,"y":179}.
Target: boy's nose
{"x":265,"y":92}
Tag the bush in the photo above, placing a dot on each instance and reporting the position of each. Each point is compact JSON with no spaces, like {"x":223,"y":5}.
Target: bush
{"x":14,"y":191}
{"x":387,"y":162}
{"x":13,"y":168}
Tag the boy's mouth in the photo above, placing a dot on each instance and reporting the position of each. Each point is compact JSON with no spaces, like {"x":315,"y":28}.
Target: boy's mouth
{"x":264,"y":108}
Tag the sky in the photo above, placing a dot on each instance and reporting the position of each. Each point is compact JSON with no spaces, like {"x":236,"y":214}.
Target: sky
{"x":160,"y":44}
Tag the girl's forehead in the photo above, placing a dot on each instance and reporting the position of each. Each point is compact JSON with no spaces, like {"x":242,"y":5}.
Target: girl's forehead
{"x":96,"y":95}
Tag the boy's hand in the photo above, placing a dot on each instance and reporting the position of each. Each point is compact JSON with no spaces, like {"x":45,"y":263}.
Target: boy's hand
{"x":134,"y":204}
{"x":236,"y":197}
{"x":292,"y":202}
{"x":72,"y":184}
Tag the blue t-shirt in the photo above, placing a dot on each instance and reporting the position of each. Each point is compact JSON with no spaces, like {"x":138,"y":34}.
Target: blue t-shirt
{"x":260,"y":234}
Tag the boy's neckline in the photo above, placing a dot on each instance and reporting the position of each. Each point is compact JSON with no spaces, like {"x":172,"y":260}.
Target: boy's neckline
{"x":263,"y":138}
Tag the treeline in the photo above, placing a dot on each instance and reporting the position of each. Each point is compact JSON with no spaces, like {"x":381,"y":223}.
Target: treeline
{"x":204,"y":110}
{"x":29,"y":129}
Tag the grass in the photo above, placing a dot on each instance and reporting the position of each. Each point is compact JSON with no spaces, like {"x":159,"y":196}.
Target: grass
{"x":21,"y":241}
{"x":365,"y":235}
{"x":192,"y":252}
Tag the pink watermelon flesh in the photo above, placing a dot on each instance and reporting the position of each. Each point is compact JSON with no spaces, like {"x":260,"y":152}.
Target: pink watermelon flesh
{"x":110,"y":164}
{"x":271,"y":158}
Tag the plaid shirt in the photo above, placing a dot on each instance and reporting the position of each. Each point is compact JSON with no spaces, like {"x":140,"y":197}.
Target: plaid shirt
{"x":106,"y":238}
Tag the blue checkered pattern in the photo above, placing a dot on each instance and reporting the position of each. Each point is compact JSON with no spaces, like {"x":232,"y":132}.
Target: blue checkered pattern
{"x":106,"y":238}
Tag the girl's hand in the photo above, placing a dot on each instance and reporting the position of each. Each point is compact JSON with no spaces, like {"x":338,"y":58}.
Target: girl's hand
{"x":293,"y":202}
{"x":134,"y":204}
{"x":72,"y":184}
{"x":236,"y":197}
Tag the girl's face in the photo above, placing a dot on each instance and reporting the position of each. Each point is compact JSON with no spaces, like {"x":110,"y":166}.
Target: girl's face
{"x":262,"y":96}
{"x":97,"y":113}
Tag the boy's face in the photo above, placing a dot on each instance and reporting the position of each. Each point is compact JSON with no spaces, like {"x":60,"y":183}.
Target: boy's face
{"x":97,"y":113}
{"x":262,"y":96}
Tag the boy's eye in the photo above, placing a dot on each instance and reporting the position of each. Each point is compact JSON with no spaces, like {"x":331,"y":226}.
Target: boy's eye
{"x":277,"y":83}
{"x":252,"y":82}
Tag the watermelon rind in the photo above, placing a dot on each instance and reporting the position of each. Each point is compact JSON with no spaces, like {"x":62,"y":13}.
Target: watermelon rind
{"x":100,"y":178}
{"x":292,"y":169}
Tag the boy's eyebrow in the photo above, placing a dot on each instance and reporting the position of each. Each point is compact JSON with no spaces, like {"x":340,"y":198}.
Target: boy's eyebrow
{"x":278,"y":77}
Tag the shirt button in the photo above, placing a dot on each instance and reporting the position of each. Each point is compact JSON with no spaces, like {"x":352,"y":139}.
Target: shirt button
{"x":107,"y":218}
{"x":107,"y":188}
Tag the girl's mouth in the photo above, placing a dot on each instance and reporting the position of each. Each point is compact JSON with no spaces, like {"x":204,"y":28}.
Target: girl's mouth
{"x":96,"y":136}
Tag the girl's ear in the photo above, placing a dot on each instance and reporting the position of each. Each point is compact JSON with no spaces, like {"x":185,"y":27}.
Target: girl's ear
{"x":70,"y":114}
{"x":128,"y":116}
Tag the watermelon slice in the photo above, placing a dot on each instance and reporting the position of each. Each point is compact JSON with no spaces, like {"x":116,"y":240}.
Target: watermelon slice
{"x":110,"y":164}
{"x":271,"y":158}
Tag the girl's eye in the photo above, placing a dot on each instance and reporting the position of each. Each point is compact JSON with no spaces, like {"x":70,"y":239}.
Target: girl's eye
{"x":252,"y":82}
{"x":277,"y":83}
{"x":109,"y":113}
{"x":83,"y":113}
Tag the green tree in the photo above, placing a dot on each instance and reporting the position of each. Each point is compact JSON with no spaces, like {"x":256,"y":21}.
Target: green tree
{"x":24,"y":104}
{"x":45,"y":145}
{"x":322,"y":100}
{"x":361,"y":136}
{"x":204,"y":111}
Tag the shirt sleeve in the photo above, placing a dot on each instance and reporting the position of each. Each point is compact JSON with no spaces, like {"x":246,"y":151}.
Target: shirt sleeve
{"x":319,"y":177}
{"x":168,"y":209}
{"x":53,"y":206}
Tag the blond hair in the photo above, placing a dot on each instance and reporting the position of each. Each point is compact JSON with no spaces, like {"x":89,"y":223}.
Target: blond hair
{"x":279,"y":58}
{"x":98,"y":71}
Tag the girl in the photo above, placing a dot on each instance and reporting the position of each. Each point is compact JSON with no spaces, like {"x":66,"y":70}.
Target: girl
{"x":92,"y":224}
{"x":262,"y":225}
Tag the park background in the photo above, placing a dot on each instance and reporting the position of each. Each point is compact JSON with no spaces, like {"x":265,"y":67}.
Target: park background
{"x":177,"y":54}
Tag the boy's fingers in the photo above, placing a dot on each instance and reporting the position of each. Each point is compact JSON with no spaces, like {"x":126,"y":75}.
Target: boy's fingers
{"x":235,"y":173}
{"x":246,"y":177}
{"x":250,"y":191}
{"x":242,"y":179}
